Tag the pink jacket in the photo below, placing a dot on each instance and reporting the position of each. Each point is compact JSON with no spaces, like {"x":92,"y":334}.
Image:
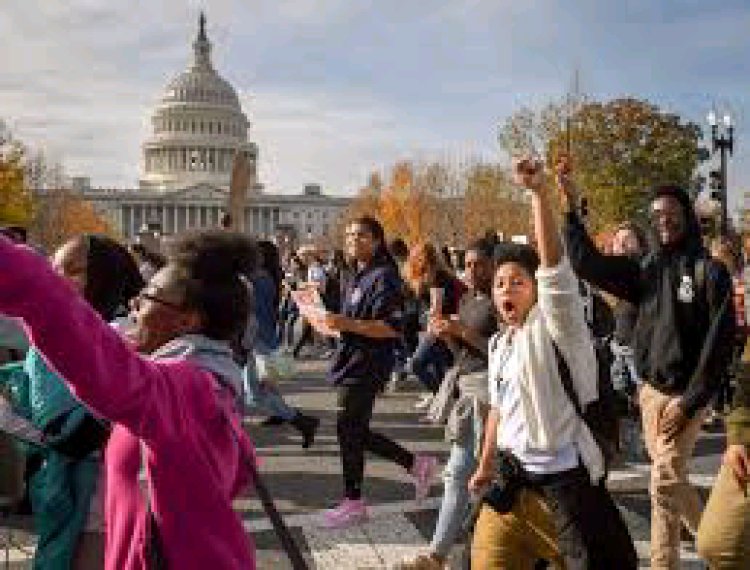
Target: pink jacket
{"x":194,"y":464}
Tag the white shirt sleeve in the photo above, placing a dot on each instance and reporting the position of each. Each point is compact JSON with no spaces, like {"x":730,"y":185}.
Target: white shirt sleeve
{"x":562,"y":310}
{"x":561,"y":304}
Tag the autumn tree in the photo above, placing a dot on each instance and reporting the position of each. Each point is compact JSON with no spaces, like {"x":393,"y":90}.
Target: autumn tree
{"x":620,"y":148}
{"x":402,"y":204}
{"x":492,"y":204}
{"x":62,"y":214}
{"x":15,"y":198}
{"x":365,"y":203}
{"x":441,"y":203}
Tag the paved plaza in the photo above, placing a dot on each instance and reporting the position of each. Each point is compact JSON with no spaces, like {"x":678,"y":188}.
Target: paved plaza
{"x":303,"y":482}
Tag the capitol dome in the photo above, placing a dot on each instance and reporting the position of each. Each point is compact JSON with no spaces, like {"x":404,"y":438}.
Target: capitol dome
{"x":201,"y":85}
{"x":198,"y":127}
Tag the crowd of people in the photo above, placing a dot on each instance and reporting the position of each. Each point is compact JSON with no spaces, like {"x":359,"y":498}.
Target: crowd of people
{"x":547,"y":364}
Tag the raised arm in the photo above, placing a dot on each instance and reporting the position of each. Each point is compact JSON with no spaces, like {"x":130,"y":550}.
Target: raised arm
{"x":99,"y":367}
{"x":558,"y":292}
{"x":529,"y":174}
{"x":618,"y":275}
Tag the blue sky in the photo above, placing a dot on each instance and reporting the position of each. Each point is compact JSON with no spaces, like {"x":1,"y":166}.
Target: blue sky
{"x":335,"y":88}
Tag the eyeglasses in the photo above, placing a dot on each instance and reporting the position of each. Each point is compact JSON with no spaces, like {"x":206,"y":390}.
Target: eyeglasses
{"x":154,"y":299}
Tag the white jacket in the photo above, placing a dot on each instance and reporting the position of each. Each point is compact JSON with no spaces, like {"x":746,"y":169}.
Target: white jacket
{"x":550,"y":417}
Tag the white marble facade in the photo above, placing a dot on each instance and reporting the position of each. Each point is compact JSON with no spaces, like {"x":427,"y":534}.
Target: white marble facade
{"x":306,"y":215}
{"x":198,"y":126}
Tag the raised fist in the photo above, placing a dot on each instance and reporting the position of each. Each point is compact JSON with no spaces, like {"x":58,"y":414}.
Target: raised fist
{"x":528,"y":172}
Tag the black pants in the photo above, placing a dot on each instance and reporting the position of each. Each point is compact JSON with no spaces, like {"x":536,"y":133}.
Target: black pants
{"x":353,"y":429}
{"x":286,"y":332}
{"x":305,"y":337}
{"x":591,"y":532}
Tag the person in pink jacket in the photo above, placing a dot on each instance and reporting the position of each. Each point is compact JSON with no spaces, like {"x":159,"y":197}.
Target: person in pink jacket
{"x":174,"y":411}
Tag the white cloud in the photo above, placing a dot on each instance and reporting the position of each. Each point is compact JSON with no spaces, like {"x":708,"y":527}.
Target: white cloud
{"x":335,"y":139}
{"x":85,"y":98}
{"x":366,"y":83}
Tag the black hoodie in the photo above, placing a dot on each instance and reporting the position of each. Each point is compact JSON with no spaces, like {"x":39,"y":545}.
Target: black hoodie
{"x":670,"y":336}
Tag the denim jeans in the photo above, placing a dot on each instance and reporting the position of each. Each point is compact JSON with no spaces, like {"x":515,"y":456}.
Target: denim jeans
{"x":431,"y":361}
{"x":455,"y":504}
{"x":261,"y":400}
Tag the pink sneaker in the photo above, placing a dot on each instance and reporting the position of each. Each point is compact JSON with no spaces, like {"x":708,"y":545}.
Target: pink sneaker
{"x":348,"y":512}
{"x":423,"y":471}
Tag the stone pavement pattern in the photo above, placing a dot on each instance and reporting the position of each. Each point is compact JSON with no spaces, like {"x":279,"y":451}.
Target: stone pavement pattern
{"x":303,"y":482}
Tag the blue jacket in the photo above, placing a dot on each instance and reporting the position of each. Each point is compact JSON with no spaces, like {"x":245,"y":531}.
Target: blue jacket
{"x":62,"y":489}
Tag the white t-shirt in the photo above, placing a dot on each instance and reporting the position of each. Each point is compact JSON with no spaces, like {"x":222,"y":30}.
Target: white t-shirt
{"x":512,"y":430}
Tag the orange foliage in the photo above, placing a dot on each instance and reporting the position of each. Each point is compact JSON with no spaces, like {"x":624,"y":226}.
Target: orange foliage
{"x":62,"y":214}
{"x":419,"y":204}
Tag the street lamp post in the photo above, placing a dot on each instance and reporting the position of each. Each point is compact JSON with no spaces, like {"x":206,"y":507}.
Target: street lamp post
{"x":724,"y":143}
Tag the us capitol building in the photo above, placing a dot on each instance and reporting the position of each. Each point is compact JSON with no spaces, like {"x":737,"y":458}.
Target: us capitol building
{"x":198,"y":127}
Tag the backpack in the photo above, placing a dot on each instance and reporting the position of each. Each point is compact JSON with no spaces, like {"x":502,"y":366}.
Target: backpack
{"x":599,"y":415}
{"x":602,"y":416}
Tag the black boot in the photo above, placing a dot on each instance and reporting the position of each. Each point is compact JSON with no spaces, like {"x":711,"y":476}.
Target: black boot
{"x":273,"y":421}
{"x":307,"y":426}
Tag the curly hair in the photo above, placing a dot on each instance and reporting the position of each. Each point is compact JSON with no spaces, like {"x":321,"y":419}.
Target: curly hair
{"x":215,"y":266}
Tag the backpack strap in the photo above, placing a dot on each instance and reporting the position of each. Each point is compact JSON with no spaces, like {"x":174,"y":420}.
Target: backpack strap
{"x":282,"y":530}
{"x":154,"y":547}
{"x":494,"y":340}
{"x":567,"y":381}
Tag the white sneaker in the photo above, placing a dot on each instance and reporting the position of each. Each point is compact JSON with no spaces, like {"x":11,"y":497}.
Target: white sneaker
{"x":424,"y":403}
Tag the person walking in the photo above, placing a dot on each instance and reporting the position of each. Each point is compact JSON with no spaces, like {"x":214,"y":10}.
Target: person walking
{"x":369,"y":326}
{"x":425,"y":271}
{"x":63,"y":485}
{"x":289,"y":312}
{"x":561,"y":511}
{"x":476,"y":322}
{"x":680,"y":294}
{"x":724,"y":533}
{"x":260,"y":393}
{"x":316,"y":281}
{"x":628,"y":240}
{"x":174,"y":411}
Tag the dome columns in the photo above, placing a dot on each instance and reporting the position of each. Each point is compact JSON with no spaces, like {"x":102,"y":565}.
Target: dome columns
{"x":197,"y":128}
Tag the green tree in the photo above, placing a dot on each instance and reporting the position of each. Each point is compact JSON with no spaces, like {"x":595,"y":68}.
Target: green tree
{"x":620,"y":149}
